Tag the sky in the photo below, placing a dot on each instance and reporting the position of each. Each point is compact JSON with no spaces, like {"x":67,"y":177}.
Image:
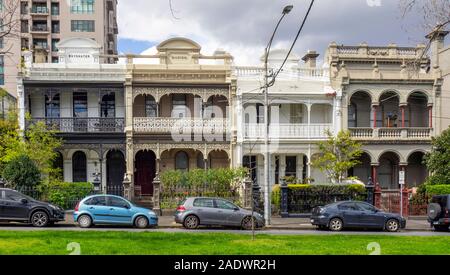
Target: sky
{"x":243,"y":27}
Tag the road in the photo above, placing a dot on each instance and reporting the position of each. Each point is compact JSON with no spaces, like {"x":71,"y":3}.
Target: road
{"x":21,"y":227}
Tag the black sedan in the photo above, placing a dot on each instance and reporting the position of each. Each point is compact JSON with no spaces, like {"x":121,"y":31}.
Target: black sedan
{"x":17,"y":207}
{"x":351,"y":214}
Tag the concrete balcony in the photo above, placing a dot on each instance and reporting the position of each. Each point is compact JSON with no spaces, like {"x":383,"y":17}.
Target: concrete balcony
{"x":288,"y":131}
{"x":82,"y":125}
{"x":371,"y":134}
{"x":164,"y":125}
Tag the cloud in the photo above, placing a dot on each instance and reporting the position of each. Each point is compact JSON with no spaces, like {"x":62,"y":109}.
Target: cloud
{"x":244,"y":27}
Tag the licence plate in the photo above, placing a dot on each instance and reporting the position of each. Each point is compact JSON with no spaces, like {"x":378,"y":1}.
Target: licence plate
{"x":436,"y":223}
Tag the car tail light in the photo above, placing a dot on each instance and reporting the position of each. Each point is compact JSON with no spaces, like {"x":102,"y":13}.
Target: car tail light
{"x":181,"y":208}
{"x":77,"y":207}
{"x":446,"y":213}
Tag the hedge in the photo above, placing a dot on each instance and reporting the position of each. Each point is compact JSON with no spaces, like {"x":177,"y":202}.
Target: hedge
{"x":66,"y":194}
{"x":433,"y":190}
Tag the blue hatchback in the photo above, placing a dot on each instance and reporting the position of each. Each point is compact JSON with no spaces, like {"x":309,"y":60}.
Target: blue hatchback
{"x":112,"y":210}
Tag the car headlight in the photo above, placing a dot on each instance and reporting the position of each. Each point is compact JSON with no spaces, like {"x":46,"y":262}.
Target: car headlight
{"x":54,"y":207}
{"x":152,"y":214}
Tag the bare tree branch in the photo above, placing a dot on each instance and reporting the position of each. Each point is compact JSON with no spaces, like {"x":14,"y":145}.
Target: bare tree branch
{"x":173,"y":11}
{"x":9,"y":23}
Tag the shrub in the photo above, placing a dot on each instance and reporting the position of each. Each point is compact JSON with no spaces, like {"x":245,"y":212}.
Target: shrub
{"x":21,"y":171}
{"x":433,"y":190}
{"x":66,"y":194}
{"x":276,"y":196}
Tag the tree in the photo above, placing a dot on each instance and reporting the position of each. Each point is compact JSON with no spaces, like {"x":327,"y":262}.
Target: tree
{"x":438,"y":160}
{"x":434,"y":12}
{"x":21,"y":171}
{"x":337,"y":155}
{"x":9,"y":23}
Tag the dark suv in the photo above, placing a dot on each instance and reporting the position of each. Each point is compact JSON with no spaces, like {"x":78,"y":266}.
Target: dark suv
{"x":17,"y":207}
{"x":438,"y":212}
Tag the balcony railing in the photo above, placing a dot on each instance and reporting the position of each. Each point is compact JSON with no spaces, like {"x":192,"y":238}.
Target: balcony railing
{"x":392,"y":133}
{"x":163,"y":125}
{"x":82,"y":125}
{"x":288,"y":131}
{"x":292,"y":73}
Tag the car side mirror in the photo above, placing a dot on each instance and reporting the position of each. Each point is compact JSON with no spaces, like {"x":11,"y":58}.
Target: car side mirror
{"x":23,"y":201}
{"x":236,"y":209}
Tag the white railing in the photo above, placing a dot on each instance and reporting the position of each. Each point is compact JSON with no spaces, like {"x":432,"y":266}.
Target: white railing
{"x":392,"y":133}
{"x":287,"y":131}
{"x":180,"y":125}
{"x":257,"y":71}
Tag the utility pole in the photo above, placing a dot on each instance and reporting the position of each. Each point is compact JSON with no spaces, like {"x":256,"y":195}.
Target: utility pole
{"x":267,"y":193}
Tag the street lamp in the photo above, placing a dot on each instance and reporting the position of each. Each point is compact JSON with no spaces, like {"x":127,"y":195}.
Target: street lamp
{"x":267,"y":201}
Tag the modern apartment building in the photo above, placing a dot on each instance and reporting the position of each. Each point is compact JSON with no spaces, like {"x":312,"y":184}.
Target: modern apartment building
{"x":43,"y":23}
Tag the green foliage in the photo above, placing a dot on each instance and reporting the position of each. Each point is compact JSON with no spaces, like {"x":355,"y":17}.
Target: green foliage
{"x":337,"y":155}
{"x":432,"y":190}
{"x":438,"y":160}
{"x":276,"y":196}
{"x":65,"y":194}
{"x":21,"y":171}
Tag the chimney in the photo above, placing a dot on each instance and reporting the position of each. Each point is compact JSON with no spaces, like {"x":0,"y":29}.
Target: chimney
{"x":436,"y":37}
{"x":310,"y":59}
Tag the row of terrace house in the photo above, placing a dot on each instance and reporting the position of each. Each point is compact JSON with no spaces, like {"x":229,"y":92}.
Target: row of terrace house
{"x":181,"y":109}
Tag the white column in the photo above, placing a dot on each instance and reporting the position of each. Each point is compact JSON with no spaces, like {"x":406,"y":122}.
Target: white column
{"x":21,"y":102}
{"x":338,"y":115}
{"x":299,"y":169}
{"x":282,"y":166}
{"x":68,"y":170}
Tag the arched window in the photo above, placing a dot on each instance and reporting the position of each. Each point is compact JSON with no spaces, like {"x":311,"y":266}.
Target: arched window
{"x":182,"y":161}
{"x":108,"y":106}
{"x":79,"y":167}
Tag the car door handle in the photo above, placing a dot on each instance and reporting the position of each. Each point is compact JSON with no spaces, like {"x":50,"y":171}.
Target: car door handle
{"x":112,"y":209}
{"x":92,"y":208}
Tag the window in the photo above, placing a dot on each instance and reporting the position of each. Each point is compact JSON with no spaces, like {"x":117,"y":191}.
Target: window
{"x":108,"y":106}
{"x":297,"y":113}
{"x":82,"y":6}
{"x":225,"y":205}
{"x":79,"y":167}
{"x":55,"y":8}
{"x":101,"y":200}
{"x":52,"y":105}
{"x":13,"y":196}
{"x":1,"y":42}
{"x":179,"y":105}
{"x":54,"y":47}
{"x":182,"y":161}
{"x":150,"y":107}
{"x":204,"y":203}
{"x":2,"y":70}
{"x":40,"y":43}
{"x":291,"y":166}
{"x":116,"y":202}
{"x":55,"y":27}
{"x":80,"y":107}
{"x":349,"y":206}
{"x":83,"y":25}
{"x":366,"y":207}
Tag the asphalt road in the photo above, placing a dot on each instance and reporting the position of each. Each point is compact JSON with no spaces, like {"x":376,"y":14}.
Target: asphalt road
{"x":21,"y":227}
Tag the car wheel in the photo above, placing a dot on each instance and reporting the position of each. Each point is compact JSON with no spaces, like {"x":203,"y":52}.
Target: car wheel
{"x":247,"y":223}
{"x":336,"y":224}
{"x":141,"y":222}
{"x":392,"y":225}
{"x":191,"y":222}
{"x":85,"y":221}
{"x":39,"y":219}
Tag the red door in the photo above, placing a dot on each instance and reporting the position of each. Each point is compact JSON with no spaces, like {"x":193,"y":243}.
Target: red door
{"x":145,"y":171}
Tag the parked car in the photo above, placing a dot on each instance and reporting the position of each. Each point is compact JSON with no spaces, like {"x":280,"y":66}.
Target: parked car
{"x":438,"y":212}
{"x":112,"y":210}
{"x":196,"y":211}
{"x":353,"y":214}
{"x":17,"y":207}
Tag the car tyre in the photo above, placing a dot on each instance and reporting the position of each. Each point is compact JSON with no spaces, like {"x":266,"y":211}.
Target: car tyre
{"x":191,"y":222}
{"x":246,"y":223}
{"x":336,"y":224}
{"x":433,"y":211}
{"x":392,"y":225}
{"x":39,"y":219}
{"x":85,"y":221}
{"x":141,"y":222}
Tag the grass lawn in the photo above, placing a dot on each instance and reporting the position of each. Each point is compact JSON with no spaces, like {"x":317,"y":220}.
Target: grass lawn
{"x":149,"y":243}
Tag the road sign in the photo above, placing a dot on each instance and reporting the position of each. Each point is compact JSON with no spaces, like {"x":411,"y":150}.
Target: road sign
{"x":401,"y":177}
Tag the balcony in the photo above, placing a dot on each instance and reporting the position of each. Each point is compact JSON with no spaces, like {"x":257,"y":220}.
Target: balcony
{"x":39,"y":11}
{"x":163,"y":125}
{"x":288,"y":131}
{"x":40,"y":29}
{"x":82,"y":125}
{"x":391,"y":133}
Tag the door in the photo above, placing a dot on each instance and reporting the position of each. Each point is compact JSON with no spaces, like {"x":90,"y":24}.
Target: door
{"x":98,"y":208}
{"x":370,"y":217}
{"x":119,"y":211}
{"x":204,"y":209}
{"x":115,"y":168}
{"x":227,"y":213}
{"x":145,"y":171}
{"x":2,"y":202}
{"x":351,"y":213}
{"x":13,"y":207}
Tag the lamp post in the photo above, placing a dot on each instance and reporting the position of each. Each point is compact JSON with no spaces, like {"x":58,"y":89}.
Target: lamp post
{"x":267,"y":201}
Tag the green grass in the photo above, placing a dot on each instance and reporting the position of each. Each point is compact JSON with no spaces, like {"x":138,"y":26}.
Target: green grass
{"x":152,"y":243}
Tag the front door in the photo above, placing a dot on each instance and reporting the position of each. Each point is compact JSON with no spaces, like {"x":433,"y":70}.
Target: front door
{"x":119,"y":211}
{"x":351,"y":213}
{"x":115,"y":167}
{"x":145,"y":171}
{"x":370,"y":217}
{"x":227,"y":213}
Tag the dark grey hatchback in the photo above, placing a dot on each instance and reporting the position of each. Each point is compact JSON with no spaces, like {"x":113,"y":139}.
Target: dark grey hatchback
{"x":352,"y":214}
